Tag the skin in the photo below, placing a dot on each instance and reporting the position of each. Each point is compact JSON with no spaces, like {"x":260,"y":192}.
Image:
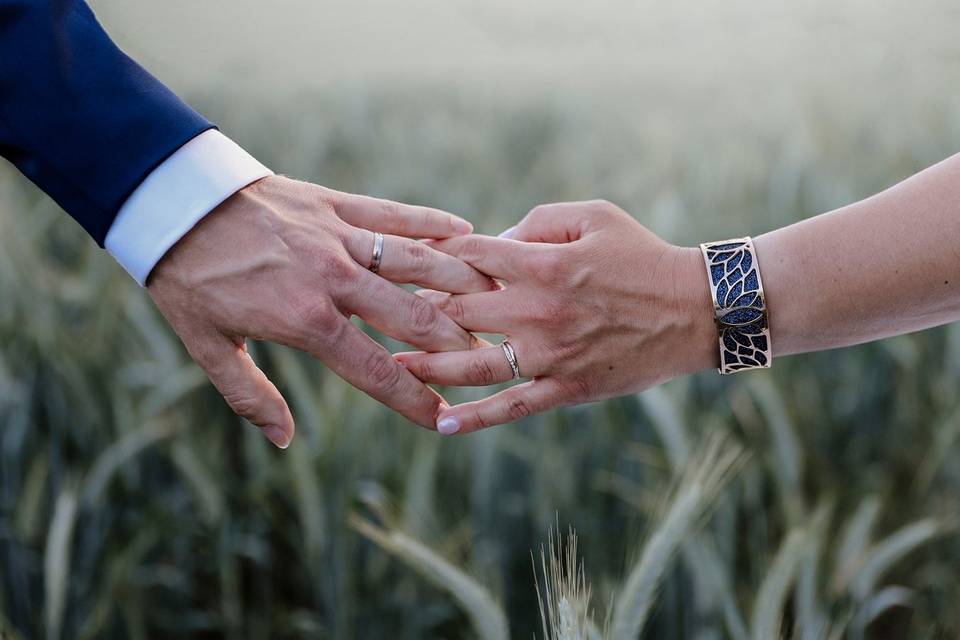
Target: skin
{"x":286,"y":261}
{"x":596,"y":306}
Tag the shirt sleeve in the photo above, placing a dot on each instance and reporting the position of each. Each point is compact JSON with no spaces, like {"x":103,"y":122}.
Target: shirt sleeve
{"x":78,"y":117}
{"x":175,"y":196}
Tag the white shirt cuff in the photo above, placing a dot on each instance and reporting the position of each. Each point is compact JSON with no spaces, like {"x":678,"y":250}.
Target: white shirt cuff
{"x":175,"y":196}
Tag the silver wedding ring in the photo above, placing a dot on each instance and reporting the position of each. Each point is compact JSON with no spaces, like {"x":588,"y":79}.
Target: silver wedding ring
{"x":377,"y":252}
{"x":511,"y":358}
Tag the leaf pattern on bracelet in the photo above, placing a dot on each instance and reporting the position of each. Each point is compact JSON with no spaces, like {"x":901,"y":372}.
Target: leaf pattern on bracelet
{"x":738,"y":298}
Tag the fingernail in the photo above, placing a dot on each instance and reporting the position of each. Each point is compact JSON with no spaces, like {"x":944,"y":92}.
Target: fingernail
{"x":462,"y":226}
{"x":448,"y":426}
{"x":277,"y":436}
{"x":508,"y":234}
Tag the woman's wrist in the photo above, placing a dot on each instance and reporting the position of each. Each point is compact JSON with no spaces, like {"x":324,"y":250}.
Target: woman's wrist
{"x":695,"y":310}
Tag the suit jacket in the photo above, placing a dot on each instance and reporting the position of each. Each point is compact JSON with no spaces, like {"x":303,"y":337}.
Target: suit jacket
{"x":77,"y":116}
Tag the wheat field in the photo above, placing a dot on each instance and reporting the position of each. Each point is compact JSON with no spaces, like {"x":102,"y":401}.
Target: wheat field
{"x":816,"y":500}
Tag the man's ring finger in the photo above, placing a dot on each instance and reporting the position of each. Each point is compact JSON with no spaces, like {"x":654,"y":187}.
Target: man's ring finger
{"x":377,"y":252}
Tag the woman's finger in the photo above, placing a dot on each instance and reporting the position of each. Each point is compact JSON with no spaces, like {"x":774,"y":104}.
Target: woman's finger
{"x":561,"y":222}
{"x":405,"y":316}
{"x":509,"y":405}
{"x":476,"y":368}
{"x":386,"y":216}
{"x":488,"y":312}
{"x":403,"y":260}
{"x":503,"y":259}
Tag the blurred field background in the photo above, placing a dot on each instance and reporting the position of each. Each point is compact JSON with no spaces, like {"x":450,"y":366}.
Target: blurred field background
{"x":818,"y":500}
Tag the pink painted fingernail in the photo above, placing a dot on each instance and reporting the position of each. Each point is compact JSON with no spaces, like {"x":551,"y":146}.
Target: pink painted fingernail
{"x":508,"y":234}
{"x":277,"y":436}
{"x":448,"y":426}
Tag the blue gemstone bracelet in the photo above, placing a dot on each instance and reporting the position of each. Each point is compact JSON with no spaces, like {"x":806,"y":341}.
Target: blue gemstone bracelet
{"x":740,"y":310}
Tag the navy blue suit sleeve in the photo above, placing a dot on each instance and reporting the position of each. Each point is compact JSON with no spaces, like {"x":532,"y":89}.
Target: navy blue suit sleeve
{"x":78,"y":117}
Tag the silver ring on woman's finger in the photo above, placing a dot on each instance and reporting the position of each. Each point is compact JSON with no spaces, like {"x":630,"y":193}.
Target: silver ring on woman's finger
{"x":377,"y":252}
{"x":511,"y":358}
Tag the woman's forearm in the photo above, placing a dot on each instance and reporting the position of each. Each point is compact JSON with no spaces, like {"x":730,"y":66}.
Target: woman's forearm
{"x":594,"y":305}
{"x":883,"y":266}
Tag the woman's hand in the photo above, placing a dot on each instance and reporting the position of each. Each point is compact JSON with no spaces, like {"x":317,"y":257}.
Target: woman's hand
{"x":594,"y":305}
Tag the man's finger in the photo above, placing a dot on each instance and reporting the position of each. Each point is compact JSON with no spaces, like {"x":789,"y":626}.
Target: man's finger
{"x":405,"y":316}
{"x":509,"y":405}
{"x":352,"y":355}
{"x":400,"y":219}
{"x":490,"y":312}
{"x":408,"y":261}
{"x":245,"y":387}
{"x":476,"y":368}
{"x":496,"y":257}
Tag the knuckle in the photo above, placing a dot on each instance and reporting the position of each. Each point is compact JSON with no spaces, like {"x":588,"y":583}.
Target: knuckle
{"x":420,"y":258}
{"x":317,"y":316}
{"x":453,"y":308}
{"x":549,"y":312}
{"x":547,"y":265}
{"x":559,"y":266}
{"x":481,"y":420}
{"x":423,"y":316}
{"x":323,"y":200}
{"x":564,"y":349}
{"x":424,"y":370}
{"x":393,"y":217}
{"x":382,"y":370}
{"x":335,"y":268}
{"x":471,"y":250}
{"x":426,"y":218}
{"x":480,"y":372}
{"x":579,"y":388}
{"x":518,"y":408}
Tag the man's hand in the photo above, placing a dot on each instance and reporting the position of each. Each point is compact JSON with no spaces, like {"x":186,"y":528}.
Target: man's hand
{"x":286,"y":261}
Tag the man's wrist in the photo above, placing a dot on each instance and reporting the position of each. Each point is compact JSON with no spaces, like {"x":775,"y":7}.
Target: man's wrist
{"x":175,"y":196}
